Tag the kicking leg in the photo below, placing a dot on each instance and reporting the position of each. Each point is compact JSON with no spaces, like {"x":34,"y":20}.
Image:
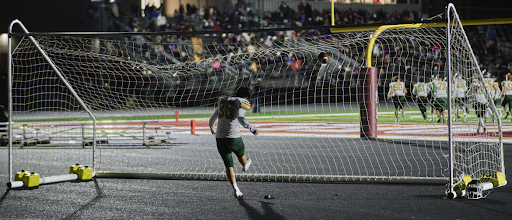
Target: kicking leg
{"x":245,"y":163}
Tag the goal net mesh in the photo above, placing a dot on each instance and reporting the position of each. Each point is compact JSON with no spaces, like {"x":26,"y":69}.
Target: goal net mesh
{"x":145,"y":91}
{"x":476,"y":93}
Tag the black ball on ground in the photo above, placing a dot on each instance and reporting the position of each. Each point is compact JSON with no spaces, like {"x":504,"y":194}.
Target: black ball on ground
{"x":269,"y":197}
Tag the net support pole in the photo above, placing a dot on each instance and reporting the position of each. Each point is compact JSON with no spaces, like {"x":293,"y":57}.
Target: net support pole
{"x":368,"y":103}
{"x":450,"y":135}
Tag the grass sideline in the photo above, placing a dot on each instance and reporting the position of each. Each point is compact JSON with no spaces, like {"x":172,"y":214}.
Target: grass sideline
{"x":385,"y":115}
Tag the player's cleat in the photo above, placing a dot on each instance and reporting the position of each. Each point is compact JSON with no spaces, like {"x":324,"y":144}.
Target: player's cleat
{"x":439,"y":120}
{"x":238,"y":194}
{"x":506,"y":116}
{"x":403,"y":114}
{"x":443,"y":121}
{"x":396,"y":120}
{"x":424,"y":117}
{"x":247,"y":164}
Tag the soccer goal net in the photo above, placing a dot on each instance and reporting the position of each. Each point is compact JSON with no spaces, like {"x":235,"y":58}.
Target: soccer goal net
{"x":138,"y":105}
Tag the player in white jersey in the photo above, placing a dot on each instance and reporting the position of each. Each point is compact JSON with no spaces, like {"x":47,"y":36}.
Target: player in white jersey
{"x":440,"y":94}
{"x":476,"y":93}
{"x":421,"y":91}
{"x":506,"y":94}
{"x":459,"y":89}
{"x":493,"y":88}
{"x":397,"y":92}
{"x":231,"y":114}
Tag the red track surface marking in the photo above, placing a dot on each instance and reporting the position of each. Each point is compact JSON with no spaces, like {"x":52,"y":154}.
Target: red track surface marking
{"x":321,"y":128}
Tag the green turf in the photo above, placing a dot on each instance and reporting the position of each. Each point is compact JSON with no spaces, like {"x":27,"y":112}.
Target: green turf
{"x":385,"y":115}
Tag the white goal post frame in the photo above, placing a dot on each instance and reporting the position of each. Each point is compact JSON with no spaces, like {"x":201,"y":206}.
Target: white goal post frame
{"x":450,"y":10}
{"x":10,"y":102}
{"x":179,"y":175}
{"x":163,"y":175}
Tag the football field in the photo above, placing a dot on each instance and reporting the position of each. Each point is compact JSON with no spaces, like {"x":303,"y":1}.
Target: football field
{"x":170,"y":143}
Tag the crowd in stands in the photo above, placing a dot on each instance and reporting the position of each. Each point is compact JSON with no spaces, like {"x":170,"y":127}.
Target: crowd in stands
{"x":212,"y":18}
{"x":489,"y":42}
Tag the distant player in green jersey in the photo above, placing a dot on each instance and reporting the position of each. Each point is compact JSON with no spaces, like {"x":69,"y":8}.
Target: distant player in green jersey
{"x":397,"y":93}
{"x":459,"y":90}
{"x":440,"y":94}
{"x":506,"y":94}
{"x":477,"y":94}
{"x":421,"y":90}
{"x":494,"y":91}
{"x":231,"y":114}
{"x":431,"y":99}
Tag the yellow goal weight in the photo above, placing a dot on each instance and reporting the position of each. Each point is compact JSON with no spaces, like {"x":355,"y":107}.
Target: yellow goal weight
{"x":498,"y":179}
{"x":83,"y":172}
{"x":460,"y":185}
{"x":30,"y":179}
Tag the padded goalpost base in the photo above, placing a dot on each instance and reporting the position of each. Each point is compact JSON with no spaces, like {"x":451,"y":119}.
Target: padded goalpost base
{"x":274,"y":177}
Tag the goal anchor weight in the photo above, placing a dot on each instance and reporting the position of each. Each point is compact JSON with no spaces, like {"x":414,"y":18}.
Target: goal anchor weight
{"x":32,"y":180}
{"x":26,"y":179}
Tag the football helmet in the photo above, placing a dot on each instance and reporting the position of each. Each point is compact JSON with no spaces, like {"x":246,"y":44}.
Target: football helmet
{"x":474,"y":190}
